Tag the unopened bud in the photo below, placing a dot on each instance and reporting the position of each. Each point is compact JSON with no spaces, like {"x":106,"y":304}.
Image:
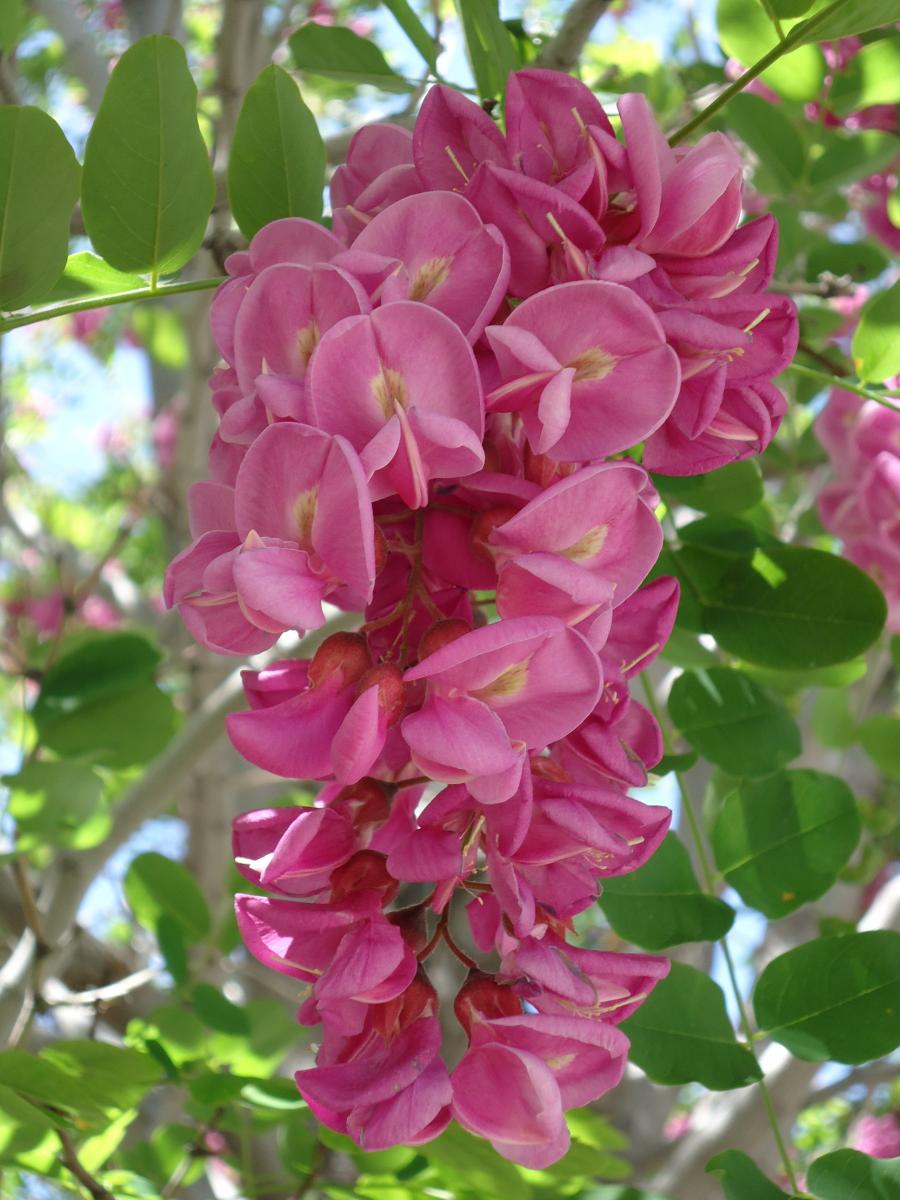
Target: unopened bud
{"x":391,"y":690}
{"x":441,"y":634}
{"x":343,"y":653}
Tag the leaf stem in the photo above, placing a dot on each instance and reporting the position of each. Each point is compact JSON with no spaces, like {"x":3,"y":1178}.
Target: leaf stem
{"x":845,"y":384}
{"x":708,"y":875}
{"x":770,"y":13}
{"x":86,"y":303}
{"x":798,"y":34}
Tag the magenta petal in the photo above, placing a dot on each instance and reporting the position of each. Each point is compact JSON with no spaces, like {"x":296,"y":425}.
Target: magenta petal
{"x":453,"y":740}
{"x":292,"y":739}
{"x":278,"y":583}
{"x":531,"y":1114}
{"x":452,"y":136}
{"x":409,"y":1118}
{"x":360,"y":738}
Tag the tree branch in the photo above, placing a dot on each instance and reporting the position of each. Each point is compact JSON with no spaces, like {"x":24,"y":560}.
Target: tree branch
{"x":563,"y":51}
{"x":82,"y":58}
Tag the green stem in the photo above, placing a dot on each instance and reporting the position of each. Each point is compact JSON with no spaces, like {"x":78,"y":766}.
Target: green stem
{"x":793,"y":39}
{"x":708,"y":875}
{"x":847,"y":385}
{"x":86,"y":303}
{"x":770,"y":13}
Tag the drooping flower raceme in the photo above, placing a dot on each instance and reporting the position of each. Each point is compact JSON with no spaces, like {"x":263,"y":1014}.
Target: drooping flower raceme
{"x":440,"y":415}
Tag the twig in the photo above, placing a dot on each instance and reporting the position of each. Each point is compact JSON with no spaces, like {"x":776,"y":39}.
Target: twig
{"x":563,"y":51}
{"x":797,"y":35}
{"x":847,"y":385}
{"x":69,"y":1158}
{"x":106,"y":994}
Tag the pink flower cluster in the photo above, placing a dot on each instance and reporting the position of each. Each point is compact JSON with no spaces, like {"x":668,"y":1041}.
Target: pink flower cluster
{"x":422,"y":417}
{"x":862,"y":507}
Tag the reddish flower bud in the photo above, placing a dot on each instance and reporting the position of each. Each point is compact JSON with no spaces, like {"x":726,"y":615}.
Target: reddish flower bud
{"x":366,"y":871}
{"x":419,"y":1000}
{"x":368,"y":801}
{"x":482,"y":998}
{"x":485,"y":524}
{"x":391,"y":689}
{"x":441,"y":634}
{"x":346,"y":653}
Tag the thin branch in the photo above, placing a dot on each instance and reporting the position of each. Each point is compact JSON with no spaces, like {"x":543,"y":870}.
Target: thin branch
{"x":81,"y":55}
{"x":85,"y":304}
{"x":69,"y":1157}
{"x":563,"y":51}
{"x":107,"y":994}
{"x":847,"y":385}
{"x":800,"y":33}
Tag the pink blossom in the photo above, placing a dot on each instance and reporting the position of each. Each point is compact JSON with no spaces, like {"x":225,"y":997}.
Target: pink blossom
{"x":541,"y":1065}
{"x":495,"y":693}
{"x":411,"y":418}
{"x":877,"y":1136}
{"x":567,"y":355}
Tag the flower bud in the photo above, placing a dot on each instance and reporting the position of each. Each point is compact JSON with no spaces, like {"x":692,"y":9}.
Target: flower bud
{"x":441,"y":634}
{"x":343,"y":653}
{"x":366,"y":871}
{"x":482,"y":998}
{"x":391,"y":689}
{"x":485,"y":524}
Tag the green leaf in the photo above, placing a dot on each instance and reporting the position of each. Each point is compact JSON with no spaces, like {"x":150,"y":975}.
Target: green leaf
{"x":730,"y":489}
{"x":880,"y":738}
{"x":277,"y":163}
{"x":857,"y":16}
{"x":791,"y":607}
{"x":170,"y":939}
{"x":469,"y":1162}
{"x":338,"y":53}
{"x":832,"y":722}
{"x":120,"y":730}
{"x":41,"y":1082}
{"x":746,"y":33}
{"x":661,"y":904}
{"x":771,"y":136}
{"x":218,"y":1012}
{"x":876,"y":342}
{"x":834,"y":998}
{"x":87,"y":275}
{"x":54,"y":803}
{"x":38,"y":189}
{"x":781,"y":842}
{"x":102,"y":664}
{"x":112,"y":1077}
{"x":791,"y":8}
{"x":155,"y":885}
{"x":733,"y":722}
{"x":871,"y":77}
{"x":681,"y":1034}
{"x":846,"y":158}
{"x":12,"y":24}
{"x":859,"y":260}
{"x":850,"y":1175}
{"x":148,"y":187}
{"x":741,"y":1178}
{"x":492,"y":51}
{"x":406,"y":18}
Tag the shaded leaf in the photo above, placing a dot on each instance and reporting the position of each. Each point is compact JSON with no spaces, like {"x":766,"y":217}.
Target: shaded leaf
{"x":155,"y":885}
{"x":38,"y":188}
{"x":492,"y":51}
{"x":790,"y":607}
{"x":834,"y":998}
{"x":148,"y":186}
{"x":661,"y":904}
{"x":876,"y":342}
{"x":850,"y":1175}
{"x":733,"y":722}
{"x":781,"y":842}
{"x":741,"y":1178}
{"x":681,"y":1034}
{"x":730,"y":489}
{"x":338,"y":53}
{"x":880,"y":738}
{"x":277,"y":163}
